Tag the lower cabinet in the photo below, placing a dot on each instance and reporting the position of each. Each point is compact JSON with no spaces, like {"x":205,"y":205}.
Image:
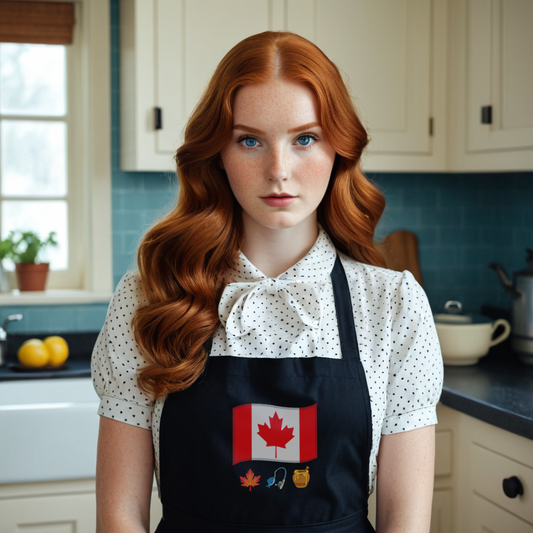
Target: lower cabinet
{"x":56,"y":507}
{"x":441,"y":512}
{"x":487,"y":517}
{"x":472,"y":459}
{"x":43,"y":514}
{"x":482,"y":456}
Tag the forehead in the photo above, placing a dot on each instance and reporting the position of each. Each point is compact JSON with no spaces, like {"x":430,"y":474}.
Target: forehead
{"x":275,"y":101}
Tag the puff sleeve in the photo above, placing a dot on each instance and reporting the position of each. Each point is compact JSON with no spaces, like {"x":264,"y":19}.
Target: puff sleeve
{"x":116,"y":359}
{"x":416,"y":368}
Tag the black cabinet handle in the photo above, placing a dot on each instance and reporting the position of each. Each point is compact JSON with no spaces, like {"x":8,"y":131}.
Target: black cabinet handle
{"x":512,"y":487}
{"x":158,"y":118}
{"x":486,"y":114}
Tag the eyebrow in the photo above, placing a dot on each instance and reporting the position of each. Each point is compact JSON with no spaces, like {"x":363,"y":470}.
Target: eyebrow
{"x":292,"y":130}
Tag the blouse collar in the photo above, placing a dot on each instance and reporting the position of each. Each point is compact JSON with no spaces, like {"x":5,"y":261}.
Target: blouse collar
{"x":316,"y":266}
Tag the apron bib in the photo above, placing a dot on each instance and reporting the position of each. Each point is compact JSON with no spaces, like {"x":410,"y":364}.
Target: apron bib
{"x":271,"y":444}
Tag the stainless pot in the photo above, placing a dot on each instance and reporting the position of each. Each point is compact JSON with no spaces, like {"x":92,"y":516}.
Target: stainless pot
{"x":522,"y":311}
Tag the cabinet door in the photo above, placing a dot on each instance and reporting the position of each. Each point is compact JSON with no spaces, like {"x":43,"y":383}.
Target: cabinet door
{"x":500,"y":74}
{"x":49,"y":514}
{"x":383,"y":48}
{"x":441,"y":512}
{"x":168,"y":51}
{"x":192,"y":37}
{"x":487,"y":517}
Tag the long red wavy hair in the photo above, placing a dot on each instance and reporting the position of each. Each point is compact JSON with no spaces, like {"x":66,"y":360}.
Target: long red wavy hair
{"x":184,"y":257}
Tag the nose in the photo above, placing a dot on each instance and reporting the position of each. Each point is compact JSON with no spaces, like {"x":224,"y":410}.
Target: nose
{"x":278,"y":165}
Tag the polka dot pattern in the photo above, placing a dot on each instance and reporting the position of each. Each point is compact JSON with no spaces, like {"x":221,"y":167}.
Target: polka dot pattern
{"x":398,"y":343}
{"x":399,"y":350}
{"x":289,"y":316}
{"x":116,"y":359}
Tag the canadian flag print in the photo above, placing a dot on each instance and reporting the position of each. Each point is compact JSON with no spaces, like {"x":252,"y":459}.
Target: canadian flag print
{"x":273,"y":433}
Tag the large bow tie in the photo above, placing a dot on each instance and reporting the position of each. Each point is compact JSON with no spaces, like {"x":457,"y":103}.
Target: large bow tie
{"x":244,"y":299}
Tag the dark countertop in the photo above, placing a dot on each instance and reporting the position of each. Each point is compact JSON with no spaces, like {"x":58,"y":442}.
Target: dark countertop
{"x":76,"y":366}
{"x":498,"y":390}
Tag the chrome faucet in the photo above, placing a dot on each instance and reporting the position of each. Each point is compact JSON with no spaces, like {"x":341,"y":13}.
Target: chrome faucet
{"x":3,"y":337}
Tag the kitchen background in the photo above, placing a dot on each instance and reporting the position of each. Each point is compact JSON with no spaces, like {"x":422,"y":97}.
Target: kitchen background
{"x":463,"y":221}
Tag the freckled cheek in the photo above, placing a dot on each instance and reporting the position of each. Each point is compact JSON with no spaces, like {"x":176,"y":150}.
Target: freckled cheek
{"x":242,"y":171}
{"x":316,"y":174}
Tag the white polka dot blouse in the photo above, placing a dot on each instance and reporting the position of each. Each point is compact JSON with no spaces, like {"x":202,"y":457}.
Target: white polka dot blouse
{"x":293,"y":315}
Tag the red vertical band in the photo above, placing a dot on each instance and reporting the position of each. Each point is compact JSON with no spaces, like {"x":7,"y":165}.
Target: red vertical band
{"x":242,"y":433}
{"x":308,"y":446}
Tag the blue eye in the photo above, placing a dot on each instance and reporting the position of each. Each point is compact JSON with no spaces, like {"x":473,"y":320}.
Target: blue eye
{"x":305,"y":140}
{"x":249,"y":142}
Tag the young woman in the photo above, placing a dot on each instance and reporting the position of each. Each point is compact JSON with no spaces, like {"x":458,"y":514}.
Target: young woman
{"x":262,"y":360}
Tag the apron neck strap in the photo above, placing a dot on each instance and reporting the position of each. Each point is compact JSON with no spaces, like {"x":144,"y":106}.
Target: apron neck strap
{"x":345,"y":318}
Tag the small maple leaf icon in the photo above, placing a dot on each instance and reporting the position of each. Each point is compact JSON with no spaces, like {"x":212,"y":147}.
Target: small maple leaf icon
{"x":274,"y":435}
{"x":250,"y":480}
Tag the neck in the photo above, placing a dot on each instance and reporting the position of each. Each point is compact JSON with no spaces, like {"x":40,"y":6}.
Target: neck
{"x":273,"y":251}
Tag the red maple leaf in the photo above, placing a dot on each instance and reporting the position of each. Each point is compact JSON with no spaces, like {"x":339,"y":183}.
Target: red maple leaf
{"x":250,"y":480}
{"x":274,"y":435}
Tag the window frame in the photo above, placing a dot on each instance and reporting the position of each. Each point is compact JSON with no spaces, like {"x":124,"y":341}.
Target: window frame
{"x":89,"y":161}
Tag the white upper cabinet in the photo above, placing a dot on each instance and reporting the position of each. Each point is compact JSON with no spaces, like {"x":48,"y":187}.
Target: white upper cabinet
{"x":500,"y":74}
{"x":192,"y":38}
{"x":420,"y":72}
{"x":491,"y":86}
{"x":384,"y":48}
{"x":169,"y":49}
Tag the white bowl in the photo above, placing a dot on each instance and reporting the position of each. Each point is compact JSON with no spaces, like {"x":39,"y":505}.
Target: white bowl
{"x":464,"y":343}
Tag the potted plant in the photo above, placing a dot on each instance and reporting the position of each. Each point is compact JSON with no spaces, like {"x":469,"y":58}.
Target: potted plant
{"x":24,"y":247}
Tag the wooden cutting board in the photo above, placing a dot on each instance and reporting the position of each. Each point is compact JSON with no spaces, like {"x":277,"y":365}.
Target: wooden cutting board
{"x":400,"y":250}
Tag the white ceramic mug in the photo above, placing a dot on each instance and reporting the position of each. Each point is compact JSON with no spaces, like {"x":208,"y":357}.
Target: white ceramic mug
{"x":464,"y":344}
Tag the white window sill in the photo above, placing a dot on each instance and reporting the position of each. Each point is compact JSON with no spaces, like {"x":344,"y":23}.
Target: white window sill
{"x":54,"y":297}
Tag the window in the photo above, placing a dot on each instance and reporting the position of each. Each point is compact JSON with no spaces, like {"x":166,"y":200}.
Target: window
{"x":34,"y":142}
{"x":55,"y":142}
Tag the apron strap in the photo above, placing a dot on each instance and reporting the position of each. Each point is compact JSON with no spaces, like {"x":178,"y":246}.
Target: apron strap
{"x":345,"y":318}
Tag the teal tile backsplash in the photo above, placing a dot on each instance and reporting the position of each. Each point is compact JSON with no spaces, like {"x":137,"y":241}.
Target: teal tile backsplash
{"x":463,"y":222}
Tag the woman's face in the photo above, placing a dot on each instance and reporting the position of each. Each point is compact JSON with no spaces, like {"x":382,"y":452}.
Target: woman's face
{"x":278,"y":163}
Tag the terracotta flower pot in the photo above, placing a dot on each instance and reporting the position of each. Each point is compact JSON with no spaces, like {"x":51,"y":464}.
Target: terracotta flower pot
{"x":32,"y":277}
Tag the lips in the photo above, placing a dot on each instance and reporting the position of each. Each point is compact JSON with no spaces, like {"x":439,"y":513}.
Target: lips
{"x":278,"y":200}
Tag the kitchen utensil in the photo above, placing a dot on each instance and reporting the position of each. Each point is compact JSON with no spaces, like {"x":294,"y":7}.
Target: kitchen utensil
{"x":522,"y":311}
{"x":464,"y":339}
{"x":400,"y":251}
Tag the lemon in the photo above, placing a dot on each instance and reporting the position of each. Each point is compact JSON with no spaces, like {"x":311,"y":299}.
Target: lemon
{"x":33,"y":353}
{"x":58,"y":348}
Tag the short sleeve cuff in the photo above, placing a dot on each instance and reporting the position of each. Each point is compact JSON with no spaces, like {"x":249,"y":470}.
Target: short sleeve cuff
{"x":127,"y":412}
{"x":425,"y":416}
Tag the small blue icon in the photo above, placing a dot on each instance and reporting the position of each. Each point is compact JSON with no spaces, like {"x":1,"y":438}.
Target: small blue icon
{"x":271,"y":481}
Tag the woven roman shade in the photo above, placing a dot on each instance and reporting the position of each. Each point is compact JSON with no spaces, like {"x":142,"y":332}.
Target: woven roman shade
{"x":36,"y":22}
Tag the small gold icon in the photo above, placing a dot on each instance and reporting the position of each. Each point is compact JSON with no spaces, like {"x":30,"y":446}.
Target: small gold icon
{"x":301,"y":478}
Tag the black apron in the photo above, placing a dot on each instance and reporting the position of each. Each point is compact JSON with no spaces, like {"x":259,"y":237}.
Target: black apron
{"x":271,"y":445}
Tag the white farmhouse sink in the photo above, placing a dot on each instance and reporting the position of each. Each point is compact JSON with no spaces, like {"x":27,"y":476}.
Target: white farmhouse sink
{"x":48,"y":430}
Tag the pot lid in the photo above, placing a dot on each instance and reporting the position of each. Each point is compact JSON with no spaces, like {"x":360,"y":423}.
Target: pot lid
{"x":453,"y":315}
